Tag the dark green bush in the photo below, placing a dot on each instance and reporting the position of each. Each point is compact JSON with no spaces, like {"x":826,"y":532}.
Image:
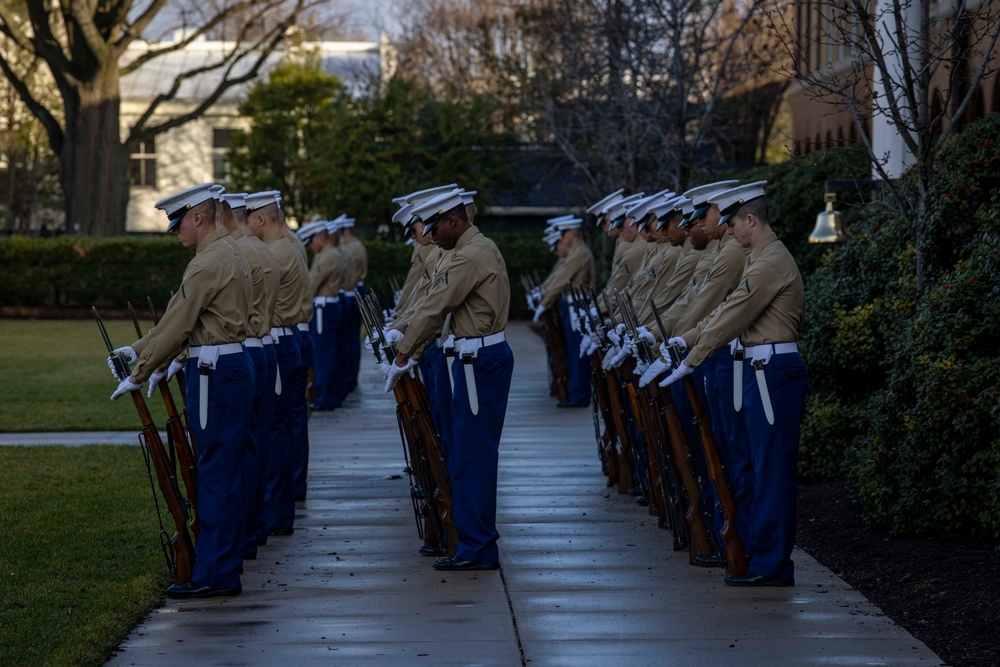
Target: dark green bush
{"x":930,"y":459}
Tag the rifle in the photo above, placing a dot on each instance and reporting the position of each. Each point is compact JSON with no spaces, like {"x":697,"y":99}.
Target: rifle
{"x":182,"y":386}
{"x":178,"y":550}
{"x":606,"y":451}
{"x":413,"y":416}
{"x":736,"y":559}
{"x":651,"y":466}
{"x":177,"y":442}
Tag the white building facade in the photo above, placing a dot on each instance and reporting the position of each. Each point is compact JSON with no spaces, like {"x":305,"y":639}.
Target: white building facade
{"x":196,"y":152}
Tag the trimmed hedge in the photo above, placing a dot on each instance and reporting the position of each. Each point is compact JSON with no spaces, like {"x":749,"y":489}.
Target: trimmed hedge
{"x":77,"y":272}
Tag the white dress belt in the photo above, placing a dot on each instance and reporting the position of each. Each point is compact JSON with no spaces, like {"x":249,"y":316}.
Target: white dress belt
{"x":323,"y":300}
{"x":267,"y":340}
{"x":225,"y":348}
{"x":486,"y":341}
{"x":351,"y":294}
{"x":765,"y":351}
{"x":302,"y":326}
{"x":278,"y":332}
{"x":253,"y":342}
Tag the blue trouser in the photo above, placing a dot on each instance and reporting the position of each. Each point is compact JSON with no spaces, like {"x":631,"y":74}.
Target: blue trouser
{"x":730,"y":431}
{"x":774,"y":452}
{"x":698,"y":466}
{"x":256,"y":443}
{"x":279,"y":497}
{"x":325,"y":354}
{"x":299,"y":415}
{"x":352,"y":341}
{"x":347,"y":333}
{"x":474,"y":453}
{"x":260,"y":424}
{"x":579,"y":367}
{"x":220,"y":445}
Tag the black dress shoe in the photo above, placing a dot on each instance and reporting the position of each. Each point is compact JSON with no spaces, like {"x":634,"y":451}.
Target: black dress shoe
{"x":571,"y":404}
{"x":431,"y":550}
{"x":713,"y":560}
{"x":300,"y":499}
{"x":754,"y":579}
{"x":457,"y":564}
{"x":192,"y":590}
{"x":281,"y":531}
{"x":250,"y":556}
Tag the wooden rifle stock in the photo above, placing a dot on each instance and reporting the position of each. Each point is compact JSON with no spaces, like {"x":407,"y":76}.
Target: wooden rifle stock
{"x":558,"y":355}
{"x":699,"y":538}
{"x":736,"y":559}
{"x":182,"y":561}
{"x":177,"y":442}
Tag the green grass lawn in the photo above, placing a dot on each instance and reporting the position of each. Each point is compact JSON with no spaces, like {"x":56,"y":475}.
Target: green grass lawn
{"x":54,"y":377}
{"x":80,"y":563}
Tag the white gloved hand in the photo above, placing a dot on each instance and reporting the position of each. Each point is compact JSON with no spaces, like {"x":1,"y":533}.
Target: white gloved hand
{"x":640,"y":367}
{"x":154,"y":380}
{"x":393,"y":336}
{"x":124,"y":387}
{"x":130,"y":356}
{"x":585,"y":344}
{"x":611,"y":353}
{"x":368,"y":344}
{"x":538,"y":313}
{"x":616,"y":334}
{"x":646,"y":335}
{"x":593,"y":347}
{"x":594,"y":314}
{"x":396,"y":372}
{"x":173,"y":368}
{"x":679,"y":372}
{"x":655,"y":370}
{"x":383,"y":367}
{"x":679,"y":342}
{"x":627,"y":348}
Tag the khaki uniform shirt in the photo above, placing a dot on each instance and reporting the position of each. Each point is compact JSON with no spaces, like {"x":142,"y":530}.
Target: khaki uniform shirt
{"x":209,"y":309}
{"x":706,"y":258}
{"x":721,"y":280}
{"x":326,"y":277}
{"x":556,"y":268}
{"x":624,"y":265}
{"x":675,"y":285}
{"x":293,"y":288}
{"x":422,"y":265}
{"x":359,"y":255}
{"x":265,"y":274}
{"x":473,"y":287}
{"x":767,"y":306}
{"x":660,"y":274}
{"x":577,"y":270}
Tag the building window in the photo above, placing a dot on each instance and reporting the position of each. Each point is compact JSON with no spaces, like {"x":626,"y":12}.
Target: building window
{"x":142,"y":165}
{"x":222,"y":140}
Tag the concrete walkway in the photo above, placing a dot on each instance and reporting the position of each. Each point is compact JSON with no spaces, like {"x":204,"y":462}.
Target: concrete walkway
{"x":587,"y":578}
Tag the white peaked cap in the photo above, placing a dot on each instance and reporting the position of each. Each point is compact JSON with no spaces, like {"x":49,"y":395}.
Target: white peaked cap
{"x":618,"y":208}
{"x":431,"y":210}
{"x":730,"y":201}
{"x":176,"y":205}
{"x":403,"y":215}
{"x":429,"y":193}
{"x":309,"y":230}
{"x":236,"y":200}
{"x":600,"y":206}
{"x":667,"y":208}
{"x":258,"y":200}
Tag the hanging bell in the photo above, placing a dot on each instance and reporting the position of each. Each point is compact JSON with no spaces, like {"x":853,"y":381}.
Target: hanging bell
{"x":829,"y":224}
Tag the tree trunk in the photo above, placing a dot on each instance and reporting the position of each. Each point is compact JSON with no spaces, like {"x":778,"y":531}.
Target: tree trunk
{"x":94,"y":160}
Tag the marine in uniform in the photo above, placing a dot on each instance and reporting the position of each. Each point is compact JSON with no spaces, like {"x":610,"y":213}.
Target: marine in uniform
{"x":576,"y":271}
{"x":208,"y":317}
{"x":293,"y":287}
{"x":765,"y":311}
{"x":474,"y":289}
{"x":264,"y":277}
{"x":326,"y":277}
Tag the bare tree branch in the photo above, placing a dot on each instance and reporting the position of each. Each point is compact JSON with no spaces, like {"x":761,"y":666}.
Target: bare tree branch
{"x":39,"y":110}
